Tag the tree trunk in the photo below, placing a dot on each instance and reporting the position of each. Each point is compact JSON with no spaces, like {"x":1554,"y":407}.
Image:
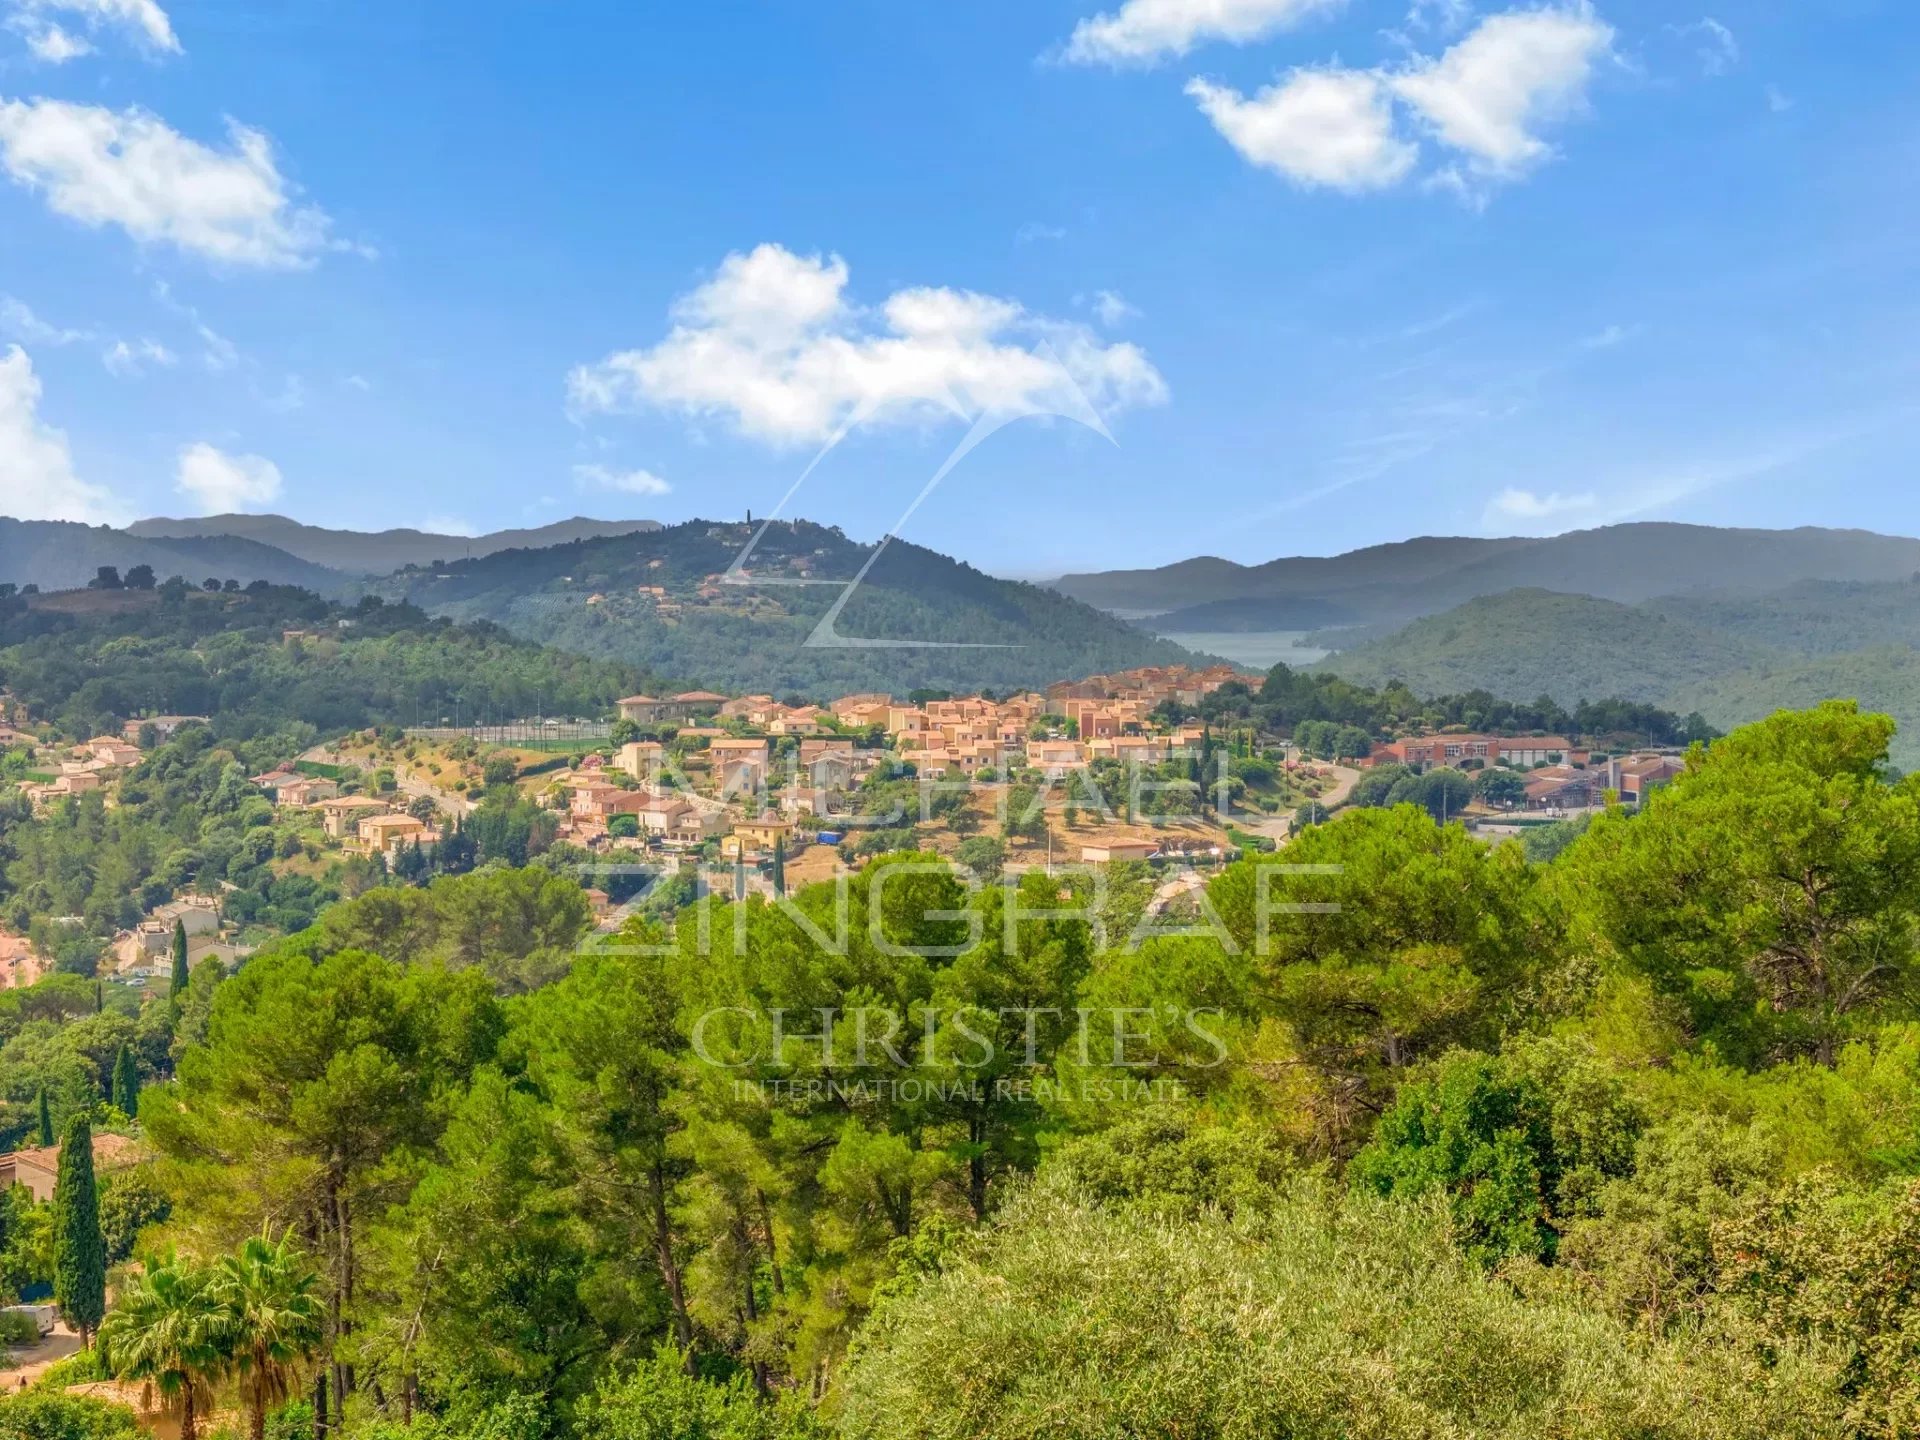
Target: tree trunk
{"x":258,"y":1425}
{"x":977,"y":1169}
{"x":773,"y":1253}
{"x":188,"y":1428}
{"x":669,"y":1267}
{"x":321,"y":1427}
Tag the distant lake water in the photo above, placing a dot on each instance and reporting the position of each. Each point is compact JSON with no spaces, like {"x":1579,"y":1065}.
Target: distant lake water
{"x":1257,"y":650}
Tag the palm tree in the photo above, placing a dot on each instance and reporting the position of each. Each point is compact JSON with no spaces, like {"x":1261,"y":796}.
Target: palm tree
{"x":272,"y":1321}
{"x":168,"y":1330}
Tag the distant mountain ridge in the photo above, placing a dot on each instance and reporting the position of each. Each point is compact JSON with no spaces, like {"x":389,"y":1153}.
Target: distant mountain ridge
{"x":380,"y":552}
{"x":1732,"y":657}
{"x":918,"y":619}
{"x":1403,"y":581}
{"x":63,"y":555}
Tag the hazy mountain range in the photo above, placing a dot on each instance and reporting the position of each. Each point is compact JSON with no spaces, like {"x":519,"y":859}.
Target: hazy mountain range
{"x":357,"y":552}
{"x":1400,"y":582}
{"x":1730,"y":622}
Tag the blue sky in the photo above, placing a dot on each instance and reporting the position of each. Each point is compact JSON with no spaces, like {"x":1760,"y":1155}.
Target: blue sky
{"x":1326,"y":272}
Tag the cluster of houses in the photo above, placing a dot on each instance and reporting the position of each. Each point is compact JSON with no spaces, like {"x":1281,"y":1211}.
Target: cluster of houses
{"x":750,"y":803}
{"x":1558,"y":774}
{"x":146,"y":951}
{"x":81,"y":770}
{"x":363,"y":824}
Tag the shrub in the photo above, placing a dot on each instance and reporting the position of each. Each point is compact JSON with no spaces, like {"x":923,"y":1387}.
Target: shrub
{"x":1325,"y":1319}
{"x":45,"y":1415}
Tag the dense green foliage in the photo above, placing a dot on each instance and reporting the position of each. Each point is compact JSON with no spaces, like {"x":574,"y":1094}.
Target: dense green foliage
{"x":1732,"y":657}
{"x":80,"y":1252}
{"x":1389,"y":1132}
{"x":189,"y":653}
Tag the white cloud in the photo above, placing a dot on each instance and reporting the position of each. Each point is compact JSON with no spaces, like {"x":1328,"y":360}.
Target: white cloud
{"x":223,"y":484}
{"x":1533,"y":511}
{"x":143,"y":20}
{"x":1719,"y":52}
{"x":1446,"y":16}
{"x":627,"y":482}
{"x":18,"y":319}
{"x":291,"y":396}
{"x":1143,"y":31}
{"x":1329,"y":128}
{"x":772,"y":343}
{"x":1036,"y":230}
{"x":1778,"y":101}
{"x":37,"y":479}
{"x":1112,"y":309}
{"x":133,"y":357}
{"x":450,"y":525}
{"x":1609,"y":336}
{"x":129,"y":168}
{"x":54,"y":46}
{"x":1487,"y":95}
{"x":217,"y":353}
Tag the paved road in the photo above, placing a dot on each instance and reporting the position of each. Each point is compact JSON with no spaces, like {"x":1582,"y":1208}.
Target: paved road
{"x":1277,"y":827}
{"x":410,"y":785}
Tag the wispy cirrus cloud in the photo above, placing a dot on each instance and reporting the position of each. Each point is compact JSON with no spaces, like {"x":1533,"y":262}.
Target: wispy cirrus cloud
{"x":624,"y":482}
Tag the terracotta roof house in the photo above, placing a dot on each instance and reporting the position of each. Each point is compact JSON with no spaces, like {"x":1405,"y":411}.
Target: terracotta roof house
{"x":38,"y":1169}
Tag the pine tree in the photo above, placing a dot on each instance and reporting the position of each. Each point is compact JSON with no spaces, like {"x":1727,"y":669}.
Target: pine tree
{"x":46,"y":1119}
{"x":80,"y":1252}
{"x":126,"y":1084}
{"x":177,"y":986}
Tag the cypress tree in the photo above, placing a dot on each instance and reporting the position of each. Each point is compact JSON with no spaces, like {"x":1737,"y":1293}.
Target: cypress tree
{"x":779,"y":866}
{"x":80,"y":1253}
{"x":177,"y":986}
{"x":126,"y":1083}
{"x":46,"y":1119}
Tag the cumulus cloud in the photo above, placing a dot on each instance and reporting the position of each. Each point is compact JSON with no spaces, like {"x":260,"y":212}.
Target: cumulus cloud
{"x":1529,"y":511}
{"x":1485,"y":99}
{"x":1331,"y":128}
{"x":129,"y":168}
{"x":143,"y":21}
{"x":222,"y":484}
{"x":37,"y":478}
{"x":1487,"y":96}
{"x":773,"y":344}
{"x":1143,"y":31}
{"x":626,"y":482}
{"x":54,"y":46}
{"x":1112,"y":308}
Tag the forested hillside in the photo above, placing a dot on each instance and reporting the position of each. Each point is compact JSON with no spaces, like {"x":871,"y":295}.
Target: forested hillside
{"x":181,"y":651}
{"x":1401,"y":1135}
{"x":1733,"y":658}
{"x":1537,"y":642}
{"x":918,"y":619}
